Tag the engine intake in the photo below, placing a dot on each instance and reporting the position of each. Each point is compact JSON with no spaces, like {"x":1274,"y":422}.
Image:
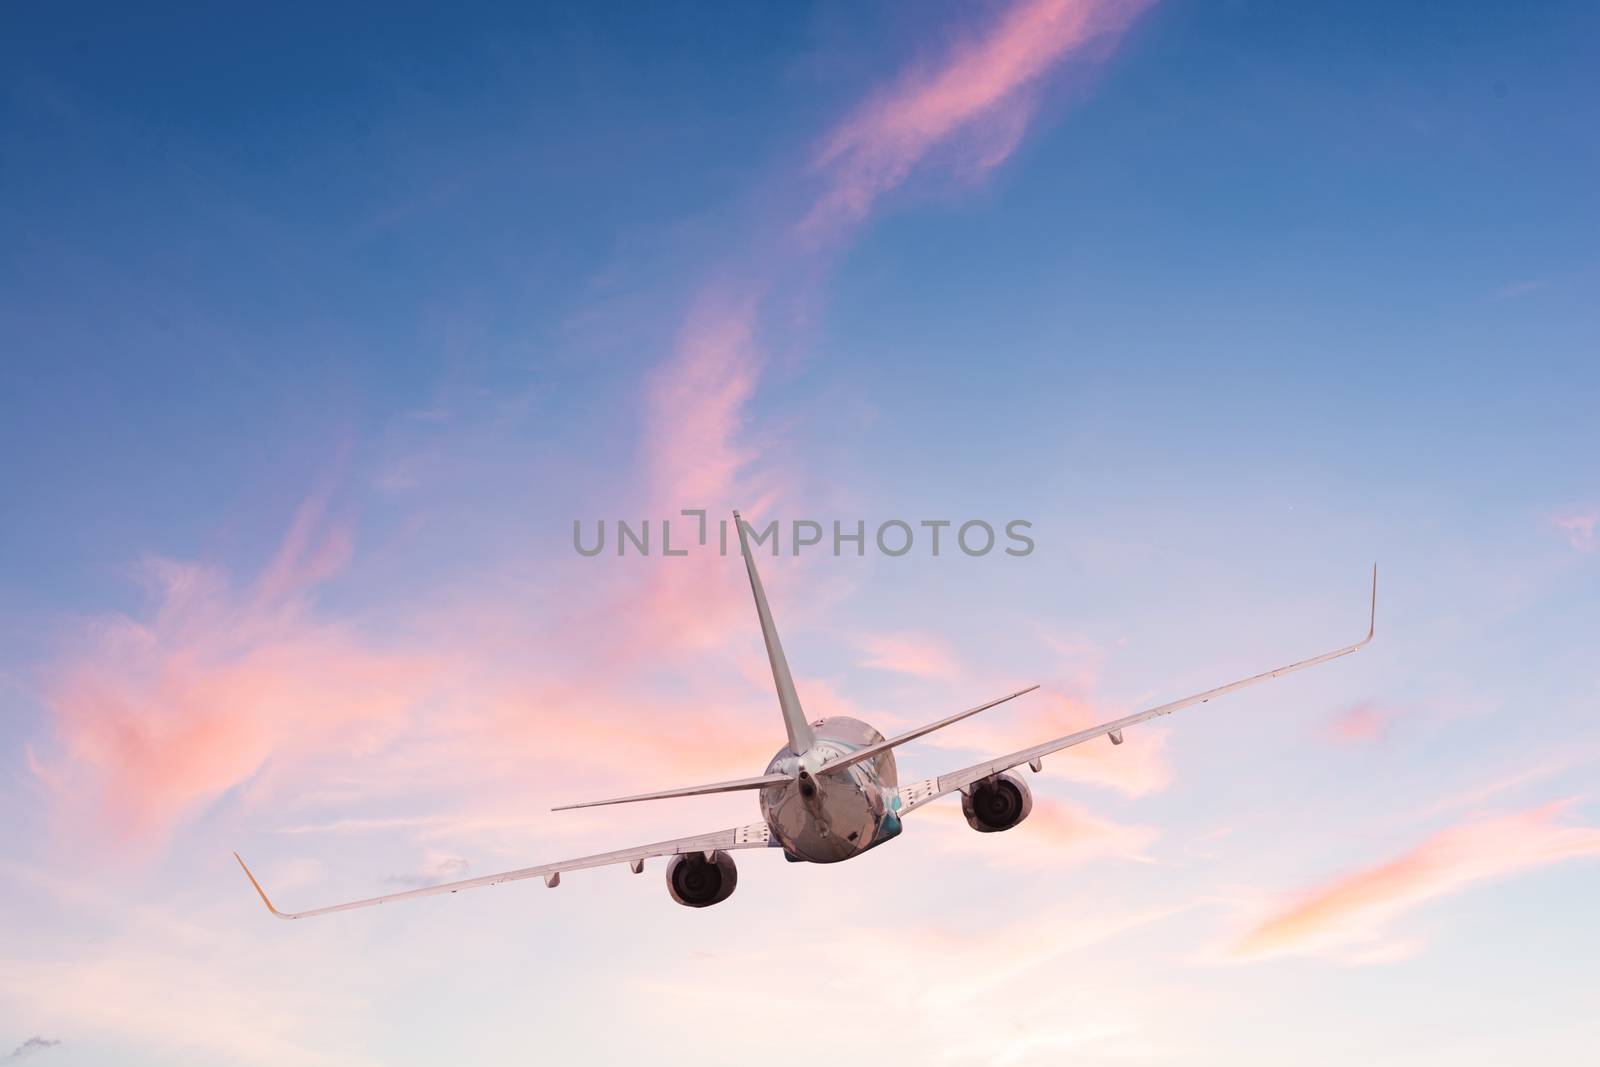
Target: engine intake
{"x":997,"y":803}
{"x":697,"y":882}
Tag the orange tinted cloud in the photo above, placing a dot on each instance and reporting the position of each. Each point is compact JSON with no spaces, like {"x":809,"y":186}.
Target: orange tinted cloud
{"x":1347,"y":918}
{"x":981,"y":94}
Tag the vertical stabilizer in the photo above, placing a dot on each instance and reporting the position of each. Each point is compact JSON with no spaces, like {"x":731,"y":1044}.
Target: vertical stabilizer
{"x":794,"y":719}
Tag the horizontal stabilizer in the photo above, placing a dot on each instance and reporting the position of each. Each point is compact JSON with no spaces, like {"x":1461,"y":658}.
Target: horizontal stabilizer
{"x":870,"y":751}
{"x":688,"y":791}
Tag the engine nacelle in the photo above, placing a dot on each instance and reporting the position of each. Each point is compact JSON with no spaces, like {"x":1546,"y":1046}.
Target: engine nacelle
{"x":697,"y":882}
{"x":997,"y":803}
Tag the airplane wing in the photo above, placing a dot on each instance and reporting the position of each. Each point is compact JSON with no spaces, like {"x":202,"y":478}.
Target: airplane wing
{"x":755,"y":835}
{"x":916,"y":794}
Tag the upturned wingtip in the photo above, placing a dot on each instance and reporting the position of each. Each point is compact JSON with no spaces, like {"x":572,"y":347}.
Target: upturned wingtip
{"x":262,"y":893}
{"x":1372,"y":620}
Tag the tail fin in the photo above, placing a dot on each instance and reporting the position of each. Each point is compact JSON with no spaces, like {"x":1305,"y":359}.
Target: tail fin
{"x":794,"y":718}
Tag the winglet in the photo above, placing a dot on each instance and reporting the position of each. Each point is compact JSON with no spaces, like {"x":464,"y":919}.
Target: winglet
{"x":1372,"y":625}
{"x":261,"y":892}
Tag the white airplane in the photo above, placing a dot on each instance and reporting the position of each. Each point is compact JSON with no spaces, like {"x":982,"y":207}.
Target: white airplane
{"x":831,"y":793}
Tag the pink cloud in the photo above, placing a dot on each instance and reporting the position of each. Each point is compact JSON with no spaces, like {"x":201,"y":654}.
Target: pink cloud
{"x":1579,"y":528}
{"x":1477,"y":795}
{"x":1057,"y":833}
{"x":155,"y":718}
{"x":1079,"y":662}
{"x":1359,"y":724}
{"x":313,"y":550}
{"x":698,"y":452}
{"x":982,"y":93}
{"x":693,"y":449}
{"x":918,"y":655}
{"x":697,"y":448}
{"x":220,"y":686}
{"x":504,"y":711}
{"x":1347,"y":918}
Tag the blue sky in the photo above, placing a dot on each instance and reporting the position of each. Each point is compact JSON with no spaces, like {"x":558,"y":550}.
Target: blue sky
{"x":317,"y":330}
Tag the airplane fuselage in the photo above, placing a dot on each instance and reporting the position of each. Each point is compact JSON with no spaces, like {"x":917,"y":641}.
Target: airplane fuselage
{"x":828,"y":817}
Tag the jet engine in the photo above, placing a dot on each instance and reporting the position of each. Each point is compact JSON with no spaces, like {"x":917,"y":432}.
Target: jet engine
{"x":696,"y":881}
{"x":996,"y":803}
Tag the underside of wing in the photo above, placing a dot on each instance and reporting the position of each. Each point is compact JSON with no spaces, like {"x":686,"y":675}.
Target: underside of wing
{"x":916,"y":794}
{"x":755,"y":835}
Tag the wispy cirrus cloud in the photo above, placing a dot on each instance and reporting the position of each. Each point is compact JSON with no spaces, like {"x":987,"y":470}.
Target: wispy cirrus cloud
{"x":698,"y":447}
{"x":158,"y":716}
{"x":1349,"y":918}
{"x":978,"y":93}
{"x":974,"y":104}
{"x":695,"y":447}
{"x":155,"y":717}
{"x":1473,"y":797}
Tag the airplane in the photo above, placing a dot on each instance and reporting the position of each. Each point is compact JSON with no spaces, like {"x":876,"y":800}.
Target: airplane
{"x":832,"y":792}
